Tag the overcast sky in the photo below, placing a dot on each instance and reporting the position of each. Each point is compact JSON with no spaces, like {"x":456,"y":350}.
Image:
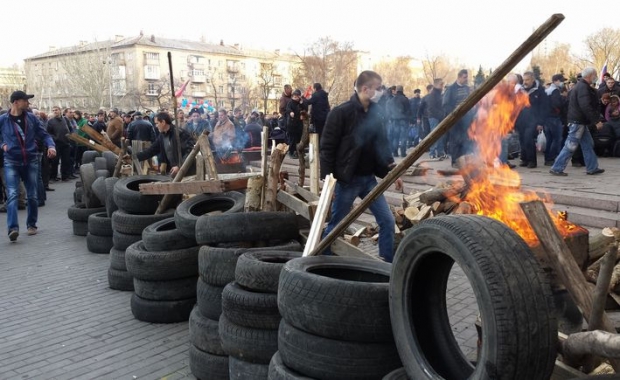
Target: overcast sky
{"x":474,"y":32}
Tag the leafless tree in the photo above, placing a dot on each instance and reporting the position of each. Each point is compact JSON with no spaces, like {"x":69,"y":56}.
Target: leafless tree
{"x":398,"y":72}
{"x":216,"y":78}
{"x":438,"y":66}
{"x":11,"y":79}
{"x":558,"y":60}
{"x":266,"y":82}
{"x":603,"y":47}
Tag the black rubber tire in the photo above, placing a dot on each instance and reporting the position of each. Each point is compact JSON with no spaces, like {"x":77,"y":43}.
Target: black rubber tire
{"x":161,"y":266}
{"x":103,"y":173}
{"x":161,"y":311}
{"x":121,"y":241}
{"x":512,"y":291}
{"x":100,"y":163}
{"x":217,"y":264}
{"x":99,"y":224}
{"x":77,"y":195}
{"x":252,"y":345}
{"x":87,"y":176}
{"x":120,"y":280}
{"x":242,"y":370}
{"x":164,"y":236}
{"x":397,"y":374}
{"x":79,"y":212}
{"x":171,"y":290}
{"x":324,"y":358}
{"x":278,"y":371}
{"x":247,"y":226}
{"x":188,"y":212}
{"x":134,"y":224}
{"x":209,"y":299}
{"x":89,"y":157}
{"x":110,"y":205}
{"x":260,"y":271}
{"x":128,"y":198}
{"x":206,"y":366}
{"x":98,"y":244}
{"x":99,"y":189}
{"x":250,"y":309}
{"x":110,"y":161}
{"x":204,"y":333}
{"x":80,"y":228}
{"x":117,"y":259}
{"x":356,"y":307}
{"x":78,"y":184}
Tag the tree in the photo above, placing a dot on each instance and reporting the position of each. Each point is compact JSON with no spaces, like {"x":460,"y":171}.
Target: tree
{"x":603,"y":47}
{"x":331,"y":63}
{"x":397,"y":72}
{"x":157,"y":92}
{"x":479,"y":78}
{"x":438,"y":67}
{"x":266,"y":82}
{"x":12,"y":79}
{"x":538,"y":74}
{"x":558,"y":60}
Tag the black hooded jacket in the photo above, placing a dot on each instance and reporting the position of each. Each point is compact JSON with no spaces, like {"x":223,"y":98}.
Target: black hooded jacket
{"x":320,"y":106}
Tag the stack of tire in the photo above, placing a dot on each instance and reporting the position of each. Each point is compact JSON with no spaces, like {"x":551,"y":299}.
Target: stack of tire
{"x":164,"y":267}
{"x":79,"y":215}
{"x":335,"y":320}
{"x":99,"y":237}
{"x":131,"y":212}
{"x":217,"y":264}
{"x":250,"y":316}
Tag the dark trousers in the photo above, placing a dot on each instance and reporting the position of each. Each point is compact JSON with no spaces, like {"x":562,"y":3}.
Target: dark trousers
{"x":527,"y":140}
{"x":294,"y":137}
{"x":63,"y":156}
{"x":45,"y":169}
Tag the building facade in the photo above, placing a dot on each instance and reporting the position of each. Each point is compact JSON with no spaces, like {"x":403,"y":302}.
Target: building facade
{"x":11,"y":79}
{"x":133,"y":73}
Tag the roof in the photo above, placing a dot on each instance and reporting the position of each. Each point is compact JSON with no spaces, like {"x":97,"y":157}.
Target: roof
{"x":74,"y":49}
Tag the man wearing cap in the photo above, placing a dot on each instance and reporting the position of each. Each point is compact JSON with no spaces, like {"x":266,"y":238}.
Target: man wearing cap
{"x":19,"y":132}
{"x":554,"y":128}
{"x":196,"y":125}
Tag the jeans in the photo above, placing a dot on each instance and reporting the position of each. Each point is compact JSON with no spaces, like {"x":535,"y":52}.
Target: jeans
{"x":398,"y":136}
{"x":28,"y":173}
{"x":438,"y":148}
{"x":578,"y":135}
{"x":459,"y":143}
{"x":553,"y":133}
{"x":344,"y":196}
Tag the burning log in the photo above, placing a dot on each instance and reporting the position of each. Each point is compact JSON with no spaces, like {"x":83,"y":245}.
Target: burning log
{"x":440,"y":195}
{"x":464,"y":208}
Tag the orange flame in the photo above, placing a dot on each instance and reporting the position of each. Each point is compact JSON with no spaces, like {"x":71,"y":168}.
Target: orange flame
{"x":494,"y":190}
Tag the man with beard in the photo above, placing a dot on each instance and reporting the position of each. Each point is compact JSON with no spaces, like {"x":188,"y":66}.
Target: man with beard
{"x":224,"y":134}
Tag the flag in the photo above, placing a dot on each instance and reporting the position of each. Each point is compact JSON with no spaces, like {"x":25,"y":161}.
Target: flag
{"x":308,"y":92}
{"x":603,"y":71}
{"x":181,"y":90}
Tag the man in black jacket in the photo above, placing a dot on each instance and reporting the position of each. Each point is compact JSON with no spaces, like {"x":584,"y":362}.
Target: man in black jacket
{"x":294,"y":123}
{"x":532,"y":119}
{"x":399,"y":114}
{"x":320,"y":108}
{"x":554,"y":126}
{"x":435,"y":116}
{"x":582,"y":113}
{"x":459,"y":143}
{"x":166,"y":145}
{"x":354,"y":148}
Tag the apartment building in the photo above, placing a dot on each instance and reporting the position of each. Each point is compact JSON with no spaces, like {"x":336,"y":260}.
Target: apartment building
{"x":11,"y":79}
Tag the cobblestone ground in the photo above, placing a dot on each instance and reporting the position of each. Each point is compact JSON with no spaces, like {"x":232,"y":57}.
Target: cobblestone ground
{"x":59,"y":319}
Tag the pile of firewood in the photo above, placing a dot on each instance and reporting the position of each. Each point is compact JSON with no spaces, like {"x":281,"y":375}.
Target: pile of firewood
{"x":598,"y":246}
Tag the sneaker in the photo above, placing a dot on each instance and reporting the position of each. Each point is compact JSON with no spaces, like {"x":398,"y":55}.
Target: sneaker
{"x":531,"y":165}
{"x":32,"y":231}
{"x":597,"y":171}
{"x":561,"y":174}
{"x":13,"y":235}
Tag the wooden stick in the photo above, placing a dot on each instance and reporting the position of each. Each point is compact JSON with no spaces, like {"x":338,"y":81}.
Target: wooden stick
{"x":119,"y":163}
{"x":177,"y":138}
{"x":314,"y":164}
{"x":301,"y":149}
{"x":602,"y":288}
{"x":263,"y":163}
{"x":599,"y":343}
{"x":321,"y":214}
{"x":504,"y":69}
{"x":101,"y":139}
{"x":79,"y":139}
{"x":207,"y":154}
{"x":200,"y":167}
{"x":274,"y":177}
{"x":562,"y":262}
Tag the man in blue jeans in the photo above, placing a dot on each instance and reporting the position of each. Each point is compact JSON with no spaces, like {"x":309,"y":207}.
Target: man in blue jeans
{"x":355,"y":149}
{"x":582,"y":113}
{"x":19,"y":132}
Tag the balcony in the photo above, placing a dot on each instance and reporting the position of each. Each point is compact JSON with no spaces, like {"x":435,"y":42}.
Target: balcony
{"x":196,"y":66}
{"x":232,"y":69}
{"x":199,"y":78}
{"x":199,"y":94}
{"x":151,"y":93}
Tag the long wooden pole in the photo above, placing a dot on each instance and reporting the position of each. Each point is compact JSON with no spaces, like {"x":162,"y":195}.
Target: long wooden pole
{"x":177,"y":139}
{"x":504,"y":69}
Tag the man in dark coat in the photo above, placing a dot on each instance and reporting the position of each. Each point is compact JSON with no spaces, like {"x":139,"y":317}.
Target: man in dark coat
{"x":399,"y":114}
{"x":320,"y":107}
{"x":532,"y":119}
{"x":294,"y":125}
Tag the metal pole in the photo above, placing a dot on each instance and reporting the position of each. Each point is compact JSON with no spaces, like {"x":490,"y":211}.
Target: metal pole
{"x":504,"y":69}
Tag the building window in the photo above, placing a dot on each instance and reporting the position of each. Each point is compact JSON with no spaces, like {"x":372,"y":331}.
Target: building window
{"x":221,"y":75}
{"x":151,"y":72}
{"x":198,"y":73}
{"x":152,"y":56}
{"x":221,"y":89}
{"x":151,"y":90}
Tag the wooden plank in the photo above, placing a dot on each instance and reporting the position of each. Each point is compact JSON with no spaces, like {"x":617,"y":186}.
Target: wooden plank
{"x":101,"y":139}
{"x":264,"y":169}
{"x":200,"y":168}
{"x":321,"y":214}
{"x":207,"y":154}
{"x":563,"y":372}
{"x":314,"y":163}
{"x":119,"y":163}
{"x":341,"y":247}
{"x":294,"y":203}
{"x":305,"y":193}
{"x":197,"y":187}
{"x":79,"y":139}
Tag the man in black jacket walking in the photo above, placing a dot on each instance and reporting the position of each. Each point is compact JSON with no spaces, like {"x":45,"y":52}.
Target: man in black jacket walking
{"x":320,"y":108}
{"x":355,"y":149}
{"x":582,"y":113}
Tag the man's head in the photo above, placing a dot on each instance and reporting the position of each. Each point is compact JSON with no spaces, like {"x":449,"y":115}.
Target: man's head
{"x":528,"y":79}
{"x":254,"y":117}
{"x":461,"y":79}
{"x":100,"y":116}
{"x":20,"y":100}
{"x":237,"y":112}
{"x":113,"y":113}
{"x":605,"y":98}
{"x":589,"y":74}
{"x":68,"y":112}
{"x":317,"y":86}
{"x":56,"y":111}
{"x":416,"y":93}
{"x":163,"y":121}
{"x":367,"y":86}
{"x":606,"y":76}
{"x":77,"y":114}
{"x":222,"y":115}
{"x":438,"y":83}
{"x":400,"y":89}
{"x":558,"y":80}
{"x":610,"y":82}
{"x":137,"y":115}
{"x":195,"y":117}
{"x":288,"y":89}
{"x":429,"y":87}
{"x":296,"y":96}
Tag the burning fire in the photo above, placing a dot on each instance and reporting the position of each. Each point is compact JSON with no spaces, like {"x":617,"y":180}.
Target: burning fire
{"x":494,"y":190}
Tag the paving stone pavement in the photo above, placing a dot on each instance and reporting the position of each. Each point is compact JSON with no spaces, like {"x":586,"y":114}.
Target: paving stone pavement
{"x":59,"y":319}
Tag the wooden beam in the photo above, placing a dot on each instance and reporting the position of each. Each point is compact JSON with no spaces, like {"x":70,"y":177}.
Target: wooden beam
{"x":314,"y":163}
{"x":119,"y":163}
{"x":562,"y":371}
{"x":101,"y":139}
{"x":498,"y":75}
{"x":196,"y":187}
{"x":602,"y":288}
{"x":207,"y":154}
{"x":294,"y":203}
{"x":200,"y":167}
{"x":264,"y":160}
{"x":325,"y":201}
{"x":562,"y":262}
{"x":341,"y":247}
{"x":305,"y":193}
{"x":79,"y":139}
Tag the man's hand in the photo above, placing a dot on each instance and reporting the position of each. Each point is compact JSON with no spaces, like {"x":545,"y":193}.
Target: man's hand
{"x":174,"y":170}
{"x":5,"y":148}
{"x":539,"y":128}
{"x":399,"y":184}
{"x":51,"y":152}
{"x":292,"y":114}
{"x":599,"y":125}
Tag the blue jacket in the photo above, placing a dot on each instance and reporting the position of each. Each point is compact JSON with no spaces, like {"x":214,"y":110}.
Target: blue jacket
{"x":10,"y":136}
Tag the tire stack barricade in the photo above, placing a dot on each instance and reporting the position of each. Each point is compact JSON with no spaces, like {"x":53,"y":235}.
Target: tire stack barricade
{"x":130,"y":213}
{"x":250,"y":315}
{"x":85,"y":202}
{"x":335,"y":320}
{"x":99,"y":237}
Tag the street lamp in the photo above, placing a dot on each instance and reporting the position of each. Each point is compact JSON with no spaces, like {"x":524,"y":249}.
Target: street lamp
{"x":108,"y":61}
